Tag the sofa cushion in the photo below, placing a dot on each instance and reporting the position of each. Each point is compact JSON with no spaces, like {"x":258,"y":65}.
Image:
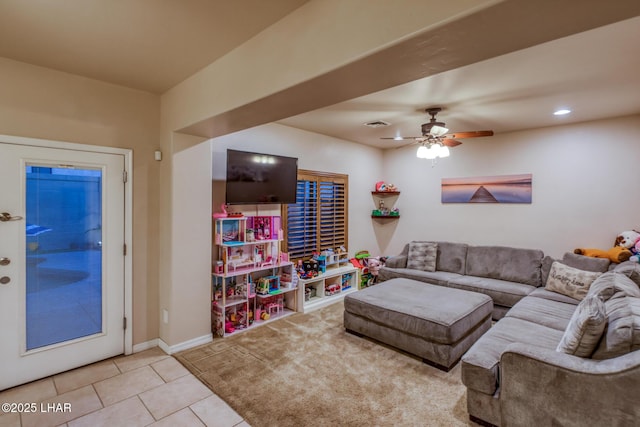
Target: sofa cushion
{"x":440,"y":278}
{"x":505,"y":263}
{"x":585,"y":328}
{"x":585,"y":262}
{"x":546,"y":312}
{"x":481,"y":363}
{"x":553,"y":296}
{"x":614,"y":283}
{"x":629,"y":269}
{"x":622,"y":333}
{"x":398,"y":261}
{"x":502,"y":292}
{"x":452,"y":257}
{"x":422,"y":256}
{"x":570,"y":281}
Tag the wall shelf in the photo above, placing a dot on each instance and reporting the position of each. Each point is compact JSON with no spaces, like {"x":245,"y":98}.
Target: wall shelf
{"x":386,"y":193}
{"x":384,"y":211}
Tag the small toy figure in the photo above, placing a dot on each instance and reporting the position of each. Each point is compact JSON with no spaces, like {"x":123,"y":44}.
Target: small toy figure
{"x":228,"y":327}
{"x":262,"y":286}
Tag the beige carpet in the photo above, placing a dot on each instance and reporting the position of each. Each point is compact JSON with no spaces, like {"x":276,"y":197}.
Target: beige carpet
{"x":305,"y":370}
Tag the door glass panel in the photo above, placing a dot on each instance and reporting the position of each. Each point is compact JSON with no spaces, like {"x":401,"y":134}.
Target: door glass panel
{"x":63,"y":254}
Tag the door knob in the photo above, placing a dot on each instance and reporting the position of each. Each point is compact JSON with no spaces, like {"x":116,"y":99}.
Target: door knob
{"x":5,"y":261}
{"x":5,"y":279}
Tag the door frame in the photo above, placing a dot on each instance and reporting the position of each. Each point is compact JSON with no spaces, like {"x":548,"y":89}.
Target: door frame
{"x":128,"y":213}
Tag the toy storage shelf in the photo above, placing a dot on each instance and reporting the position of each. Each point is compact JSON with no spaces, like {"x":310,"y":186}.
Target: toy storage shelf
{"x":327,"y":287}
{"x":279,"y":303}
{"x":248,"y":250}
{"x":380,"y":196}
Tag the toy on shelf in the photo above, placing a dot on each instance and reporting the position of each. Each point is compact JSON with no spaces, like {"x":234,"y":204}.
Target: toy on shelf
{"x":331,"y":289}
{"x":222,"y":214}
{"x":262,"y":286}
{"x":381,"y":186}
{"x":346,"y":278}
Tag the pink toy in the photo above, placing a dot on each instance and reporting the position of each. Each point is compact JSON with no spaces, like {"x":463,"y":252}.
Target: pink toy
{"x":222,"y":214}
{"x":228,"y":327}
{"x":374,"y":265}
{"x":636,"y":252}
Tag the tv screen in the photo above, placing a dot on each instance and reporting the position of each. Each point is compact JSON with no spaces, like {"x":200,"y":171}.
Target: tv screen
{"x":256,"y":178}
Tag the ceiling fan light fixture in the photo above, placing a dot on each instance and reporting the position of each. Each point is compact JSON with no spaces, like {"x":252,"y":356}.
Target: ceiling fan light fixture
{"x":444,"y":151}
{"x":432,"y":152}
{"x":422,"y":152}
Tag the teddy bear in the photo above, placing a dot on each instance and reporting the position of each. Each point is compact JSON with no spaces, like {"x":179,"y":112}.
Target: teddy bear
{"x":627,"y":239}
{"x":616,"y":254}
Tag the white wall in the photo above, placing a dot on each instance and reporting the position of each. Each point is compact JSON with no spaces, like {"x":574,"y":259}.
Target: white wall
{"x":315,"y":152}
{"x":585,"y":189}
{"x":38,"y":102}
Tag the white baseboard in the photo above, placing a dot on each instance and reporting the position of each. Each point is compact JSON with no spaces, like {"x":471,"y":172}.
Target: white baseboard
{"x":184,"y":345}
{"x":145,"y":345}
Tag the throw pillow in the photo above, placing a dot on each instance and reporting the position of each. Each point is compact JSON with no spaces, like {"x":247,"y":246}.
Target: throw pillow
{"x":422,"y":256}
{"x":614,"y":284}
{"x":585,"y":328}
{"x":622,"y":335}
{"x":570,"y":281}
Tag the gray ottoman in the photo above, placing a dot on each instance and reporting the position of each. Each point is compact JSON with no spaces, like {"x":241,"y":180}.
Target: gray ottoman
{"x":436,"y":323}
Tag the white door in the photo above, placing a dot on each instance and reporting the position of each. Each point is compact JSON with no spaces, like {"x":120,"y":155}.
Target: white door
{"x":62,"y":223}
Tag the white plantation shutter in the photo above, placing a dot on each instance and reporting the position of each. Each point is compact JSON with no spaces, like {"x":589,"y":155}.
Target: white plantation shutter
{"x":318,"y":219}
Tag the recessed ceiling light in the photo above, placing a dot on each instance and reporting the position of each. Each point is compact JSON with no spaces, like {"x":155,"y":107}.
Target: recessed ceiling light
{"x":561,"y":112}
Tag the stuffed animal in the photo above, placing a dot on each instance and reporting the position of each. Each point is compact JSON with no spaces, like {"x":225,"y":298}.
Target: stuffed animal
{"x":616,"y":254}
{"x":627,"y":239}
{"x":636,"y":252}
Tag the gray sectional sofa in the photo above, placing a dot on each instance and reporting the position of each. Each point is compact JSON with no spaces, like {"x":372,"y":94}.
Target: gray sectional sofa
{"x":522,"y":371}
{"x":505,"y":274}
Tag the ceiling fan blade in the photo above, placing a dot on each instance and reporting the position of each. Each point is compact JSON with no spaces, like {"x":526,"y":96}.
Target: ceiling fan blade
{"x":438,"y":131}
{"x":402,"y":138}
{"x":472,"y":134}
{"x":451,"y":142}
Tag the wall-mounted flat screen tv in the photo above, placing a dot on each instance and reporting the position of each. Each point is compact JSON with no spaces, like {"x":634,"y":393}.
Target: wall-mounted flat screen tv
{"x":257,"y":178}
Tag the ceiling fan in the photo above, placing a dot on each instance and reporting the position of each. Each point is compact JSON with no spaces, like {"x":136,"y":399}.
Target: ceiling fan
{"x":435,"y":132}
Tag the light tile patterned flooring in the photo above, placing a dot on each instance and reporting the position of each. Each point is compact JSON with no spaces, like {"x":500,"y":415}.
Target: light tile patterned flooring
{"x":148,"y":388}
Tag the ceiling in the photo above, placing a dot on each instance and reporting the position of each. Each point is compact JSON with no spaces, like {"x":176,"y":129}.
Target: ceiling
{"x":152,"y":45}
{"x":594,"y":73}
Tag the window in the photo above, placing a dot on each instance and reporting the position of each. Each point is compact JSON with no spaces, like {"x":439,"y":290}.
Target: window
{"x":318,"y":219}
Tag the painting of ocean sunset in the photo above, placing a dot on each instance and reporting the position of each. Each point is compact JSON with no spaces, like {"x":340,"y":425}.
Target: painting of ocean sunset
{"x":488,"y":189}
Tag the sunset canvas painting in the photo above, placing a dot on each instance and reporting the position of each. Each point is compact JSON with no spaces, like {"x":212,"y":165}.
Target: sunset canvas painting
{"x":488,"y":189}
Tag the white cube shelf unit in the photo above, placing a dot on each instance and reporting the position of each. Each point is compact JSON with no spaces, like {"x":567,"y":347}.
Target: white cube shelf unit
{"x":327,"y":287}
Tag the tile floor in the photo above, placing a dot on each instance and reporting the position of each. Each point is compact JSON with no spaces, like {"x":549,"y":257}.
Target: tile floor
{"x":148,"y":388}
